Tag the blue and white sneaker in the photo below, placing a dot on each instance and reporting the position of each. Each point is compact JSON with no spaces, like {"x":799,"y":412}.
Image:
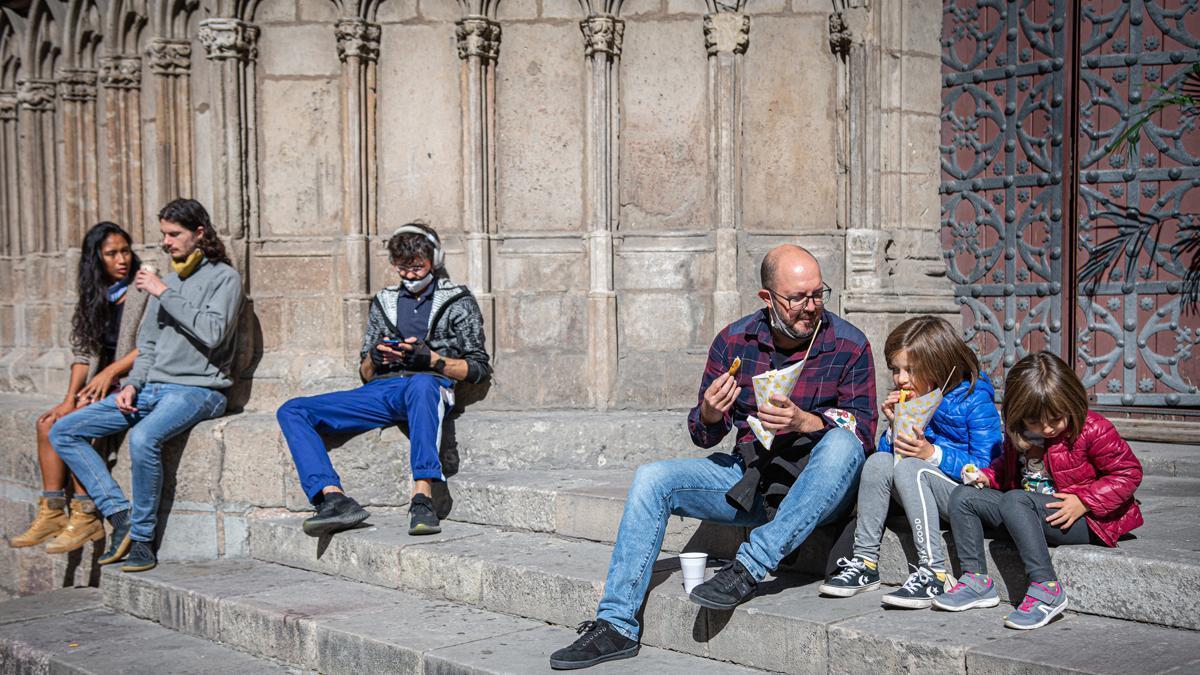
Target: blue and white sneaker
{"x":972,"y":590}
{"x":1042,"y":603}
{"x":855,"y":576}
{"x":918,"y":592}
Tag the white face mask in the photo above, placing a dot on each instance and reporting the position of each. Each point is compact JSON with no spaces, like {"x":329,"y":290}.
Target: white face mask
{"x":414,"y":286}
{"x":781,"y":327}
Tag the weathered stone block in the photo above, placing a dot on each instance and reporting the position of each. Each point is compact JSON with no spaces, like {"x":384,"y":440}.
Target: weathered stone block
{"x":539,"y":321}
{"x":539,"y":122}
{"x":922,"y":91}
{"x":645,"y":379}
{"x":923,"y":24}
{"x":663,"y":321}
{"x":294,"y":50}
{"x":292,"y":274}
{"x":925,"y":642}
{"x":396,"y":10}
{"x":420,"y":137}
{"x":275,"y":11}
{"x":664,"y":125}
{"x":788,"y":126}
{"x":921,"y":136}
{"x":188,"y":536}
{"x":254,"y":462}
{"x":301,"y":178}
{"x":517,"y":10}
{"x":922,"y":203}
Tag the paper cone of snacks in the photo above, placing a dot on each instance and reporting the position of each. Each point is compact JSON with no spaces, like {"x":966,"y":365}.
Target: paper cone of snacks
{"x":912,"y":415}
{"x":777,"y":383}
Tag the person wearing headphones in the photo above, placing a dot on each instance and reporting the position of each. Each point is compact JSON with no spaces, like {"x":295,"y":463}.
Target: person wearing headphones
{"x":423,"y":335}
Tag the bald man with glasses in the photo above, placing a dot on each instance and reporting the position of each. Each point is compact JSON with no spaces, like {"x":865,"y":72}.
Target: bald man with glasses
{"x":809,"y":476}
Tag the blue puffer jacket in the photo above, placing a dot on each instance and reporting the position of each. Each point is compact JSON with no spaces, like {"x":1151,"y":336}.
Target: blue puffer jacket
{"x":965,"y":426}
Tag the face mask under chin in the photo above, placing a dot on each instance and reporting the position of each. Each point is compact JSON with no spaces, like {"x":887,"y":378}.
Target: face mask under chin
{"x":783,"y":329}
{"x":414,"y":286}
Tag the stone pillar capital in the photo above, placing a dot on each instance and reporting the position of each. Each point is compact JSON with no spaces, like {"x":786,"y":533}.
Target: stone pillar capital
{"x":840,"y":35}
{"x":357,"y":38}
{"x":35,"y":94}
{"x":8,"y":105}
{"x":170,"y":57}
{"x":602,"y":34}
{"x":226,"y":39}
{"x":77,"y":84}
{"x":478,"y":36}
{"x":121,"y":72}
{"x":726,"y":32}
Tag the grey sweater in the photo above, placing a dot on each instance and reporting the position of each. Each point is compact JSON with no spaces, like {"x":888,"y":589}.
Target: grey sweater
{"x":188,"y":333}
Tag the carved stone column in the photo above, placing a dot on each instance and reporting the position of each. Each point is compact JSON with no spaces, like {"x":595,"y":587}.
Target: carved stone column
{"x":39,"y":165}
{"x":478,"y":49}
{"x":602,"y":35}
{"x":232,"y":45}
{"x":81,"y":197}
{"x":121,"y":77}
{"x":726,"y":37}
{"x":358,"y":50}
{"x":10,"y":194}
{"x":170,"y":60}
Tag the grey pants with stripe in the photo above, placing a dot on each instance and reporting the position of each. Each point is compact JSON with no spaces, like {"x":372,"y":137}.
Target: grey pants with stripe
{"x":924,"y":492}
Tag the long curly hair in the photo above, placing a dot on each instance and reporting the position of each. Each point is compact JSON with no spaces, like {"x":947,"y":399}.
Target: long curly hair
{"x":93,"y":311}
{"x":191,"y":214}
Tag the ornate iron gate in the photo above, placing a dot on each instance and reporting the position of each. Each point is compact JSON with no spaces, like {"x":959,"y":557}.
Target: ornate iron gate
{"x":1034,"y":94}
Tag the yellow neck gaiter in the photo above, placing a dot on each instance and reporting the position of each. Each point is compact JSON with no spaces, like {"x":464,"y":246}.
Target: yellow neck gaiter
{"x":184,"y":269}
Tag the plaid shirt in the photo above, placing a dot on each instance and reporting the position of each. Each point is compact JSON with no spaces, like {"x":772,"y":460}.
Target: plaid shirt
{"x":837,"y":384}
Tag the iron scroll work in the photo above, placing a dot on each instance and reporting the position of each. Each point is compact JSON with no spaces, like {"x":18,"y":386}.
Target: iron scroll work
{"x":1007,"y":197}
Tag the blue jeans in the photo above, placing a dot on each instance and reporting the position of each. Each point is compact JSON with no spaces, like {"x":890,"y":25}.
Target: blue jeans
{"x":163,"y":412}
{"x":696,"y":488}
{"x":420,"y":399}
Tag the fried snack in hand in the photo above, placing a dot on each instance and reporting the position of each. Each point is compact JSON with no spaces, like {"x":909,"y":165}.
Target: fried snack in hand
{"x":733,"y":367}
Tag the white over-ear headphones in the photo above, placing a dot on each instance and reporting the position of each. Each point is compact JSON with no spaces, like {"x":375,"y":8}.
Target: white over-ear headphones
{"x":438,"y":256}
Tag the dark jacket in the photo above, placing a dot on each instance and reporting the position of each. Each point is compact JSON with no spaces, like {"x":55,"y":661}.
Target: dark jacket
{"x":455,"y":328}
{"x":1098,"y":467}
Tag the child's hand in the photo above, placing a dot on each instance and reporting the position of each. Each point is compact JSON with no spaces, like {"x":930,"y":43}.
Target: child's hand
{"x":909,"y":446}
{"x":889,"y":405}
{"x":973,"y":476}
{"x":1070,"y":509}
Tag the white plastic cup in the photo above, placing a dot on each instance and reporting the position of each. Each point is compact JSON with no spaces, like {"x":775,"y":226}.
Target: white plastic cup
{"x":693,"y":569}
{"x":150,"y":268}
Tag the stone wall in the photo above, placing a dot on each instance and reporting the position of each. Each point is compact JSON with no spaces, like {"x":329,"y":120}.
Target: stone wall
{"x":607,"y":176}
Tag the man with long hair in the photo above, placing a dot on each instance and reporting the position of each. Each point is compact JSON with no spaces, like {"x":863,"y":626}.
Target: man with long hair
{"x":423,"y":335}
{"x":185,"y":355}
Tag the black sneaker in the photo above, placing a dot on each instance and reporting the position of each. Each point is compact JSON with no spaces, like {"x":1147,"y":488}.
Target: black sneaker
{"x":118,"y":539}
{"x":335,"y":513}
{"x":141,"y":558}
{"x":920,"y":589}
{"x":422,"y":518}
{"x":599,"y":642}
{"x":855,"y":577}
{"x":730,"y":586}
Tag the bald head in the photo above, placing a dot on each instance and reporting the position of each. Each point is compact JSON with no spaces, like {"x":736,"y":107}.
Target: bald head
{"x":788,"y":260}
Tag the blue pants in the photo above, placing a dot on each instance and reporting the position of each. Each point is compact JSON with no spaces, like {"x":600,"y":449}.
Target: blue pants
{"x":696,"y":488}
{"x":163,"y":412}
{"x":419,"y":399}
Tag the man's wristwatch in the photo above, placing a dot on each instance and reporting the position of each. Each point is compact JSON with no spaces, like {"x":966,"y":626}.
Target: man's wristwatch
{"x":438,"y":366}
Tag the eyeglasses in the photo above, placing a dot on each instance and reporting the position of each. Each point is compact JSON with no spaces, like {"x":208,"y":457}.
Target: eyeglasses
{"x":411,"y":269}
{"x":818,"y":298}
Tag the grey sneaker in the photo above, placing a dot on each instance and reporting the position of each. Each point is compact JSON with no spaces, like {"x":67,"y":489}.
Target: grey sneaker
{"x":972,"y":590}
{"x":1042,"y":603}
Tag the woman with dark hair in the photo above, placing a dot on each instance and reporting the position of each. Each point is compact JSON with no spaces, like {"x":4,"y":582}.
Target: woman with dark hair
{"x":103,"y":335}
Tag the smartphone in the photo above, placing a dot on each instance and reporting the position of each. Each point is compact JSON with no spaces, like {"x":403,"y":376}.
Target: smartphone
{"x":391,"y":343}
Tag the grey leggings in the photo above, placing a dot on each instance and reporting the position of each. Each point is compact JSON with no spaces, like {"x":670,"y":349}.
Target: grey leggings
{"x":924,"y":492}
{"x":1023,"y":514}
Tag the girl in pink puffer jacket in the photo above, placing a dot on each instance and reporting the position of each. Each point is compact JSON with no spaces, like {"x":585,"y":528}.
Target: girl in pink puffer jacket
{"x":1066,"y":477}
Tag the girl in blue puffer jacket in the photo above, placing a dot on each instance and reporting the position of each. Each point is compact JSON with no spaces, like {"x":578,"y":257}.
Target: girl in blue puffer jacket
{"x":923,"y":469}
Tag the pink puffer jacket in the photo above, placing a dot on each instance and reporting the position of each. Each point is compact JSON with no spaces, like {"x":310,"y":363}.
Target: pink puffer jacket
{"x":1098,"y":467}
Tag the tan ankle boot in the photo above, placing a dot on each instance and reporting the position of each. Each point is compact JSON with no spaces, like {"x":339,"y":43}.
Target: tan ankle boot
{"x":50,"y":520}
{"x":85,"y":525}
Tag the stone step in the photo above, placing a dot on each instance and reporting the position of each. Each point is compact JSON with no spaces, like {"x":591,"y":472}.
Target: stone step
{"x":788,"y":627}
{"x":333,"y":625}
{"x":71,"y":631}
{"x":1168,"y":459}
{"x":1129,"y":582}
